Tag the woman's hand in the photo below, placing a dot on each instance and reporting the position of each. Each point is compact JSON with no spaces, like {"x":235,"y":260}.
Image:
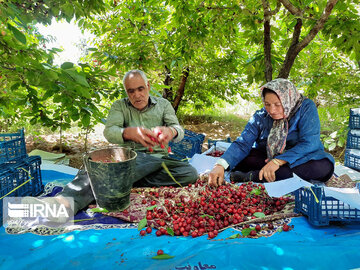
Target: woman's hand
{"x":268,"y":171}
{"x":216,"y":176}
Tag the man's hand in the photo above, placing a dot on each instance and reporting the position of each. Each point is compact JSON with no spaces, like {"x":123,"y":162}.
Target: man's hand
{"x":216,"y":176}
{"x":164,"y":134}
{"x":268,"y":171}
{"x":140,"y":135}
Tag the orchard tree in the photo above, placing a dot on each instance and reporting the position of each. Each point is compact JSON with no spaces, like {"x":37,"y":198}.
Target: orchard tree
{"x":32,"y":87}
{"x":200,"y":51}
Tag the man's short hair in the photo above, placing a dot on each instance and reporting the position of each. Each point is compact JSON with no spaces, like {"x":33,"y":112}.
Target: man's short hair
{"x":135,"y":72}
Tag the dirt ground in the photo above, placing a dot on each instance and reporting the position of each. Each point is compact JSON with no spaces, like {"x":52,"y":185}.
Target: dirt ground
{"x":74,"y":144}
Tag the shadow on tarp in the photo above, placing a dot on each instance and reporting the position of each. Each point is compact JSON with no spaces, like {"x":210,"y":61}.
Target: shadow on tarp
{"x":305,"y":247}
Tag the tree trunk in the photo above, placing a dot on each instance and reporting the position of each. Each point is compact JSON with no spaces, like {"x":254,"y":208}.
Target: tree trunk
{"x":292,"y":52}
{"x":168,"y":93}
{"x":296,"y":47}
{"x":267,"y":42}
{"x":181,"y":89}
{"x":267,"y":51}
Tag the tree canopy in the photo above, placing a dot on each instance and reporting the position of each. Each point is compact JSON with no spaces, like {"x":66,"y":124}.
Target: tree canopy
{"x":195,"y":53}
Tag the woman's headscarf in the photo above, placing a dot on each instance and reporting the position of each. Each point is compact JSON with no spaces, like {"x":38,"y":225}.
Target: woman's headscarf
{"x":291,"y":101}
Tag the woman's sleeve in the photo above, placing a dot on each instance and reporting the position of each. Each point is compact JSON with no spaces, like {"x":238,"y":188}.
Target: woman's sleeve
{"x":241,"y":147}
{"x":309,"y":134}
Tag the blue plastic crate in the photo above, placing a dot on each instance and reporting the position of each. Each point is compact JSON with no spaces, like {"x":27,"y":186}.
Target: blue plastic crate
{"x":213,"y":142}
{"x":353,"y":139}
{"x":13,"y":175}
{"x":190,"y":145}
{"x":354,"y":120}
{"x":12,"y":146}
{"x":328,"y":209}
{"x":352,"y":159}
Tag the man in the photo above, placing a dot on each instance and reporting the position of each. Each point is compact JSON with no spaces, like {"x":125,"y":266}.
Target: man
{"x":133,"y":122}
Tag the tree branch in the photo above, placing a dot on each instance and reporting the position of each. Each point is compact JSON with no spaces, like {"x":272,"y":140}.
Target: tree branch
{"x":296,"y":46}
{"x":290,"y":7}
{"x":318,"y":26}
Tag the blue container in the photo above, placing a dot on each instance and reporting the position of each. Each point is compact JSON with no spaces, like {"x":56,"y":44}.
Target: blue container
{"x":16,"y":175}
{"x":326,"y":210}
{"x":354,"y":120}
{"x":190,"y":145}
{"x":352,"y":159}
{"x":12,"y":146}
{"x":353,"y":139}
{"x":213,"y":142}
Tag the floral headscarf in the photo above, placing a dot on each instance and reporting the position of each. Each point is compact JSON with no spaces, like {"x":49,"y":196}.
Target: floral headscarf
{"x":291,"y":101}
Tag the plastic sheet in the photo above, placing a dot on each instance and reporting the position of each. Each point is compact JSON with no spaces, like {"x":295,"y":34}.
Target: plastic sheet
{"x":304,"y":247}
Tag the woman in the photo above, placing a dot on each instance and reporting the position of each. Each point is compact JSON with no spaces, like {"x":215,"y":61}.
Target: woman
{"x":280,"y":139}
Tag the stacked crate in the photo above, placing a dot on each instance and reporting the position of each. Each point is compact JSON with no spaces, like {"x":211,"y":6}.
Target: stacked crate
{"x":352,"y":152}
{"x":190,"y":145}
{"x":20,"y":175}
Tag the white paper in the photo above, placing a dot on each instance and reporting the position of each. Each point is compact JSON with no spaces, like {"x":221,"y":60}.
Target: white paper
{"x":203,"y":163}
{"x":283,"y":187}
{"x":349,"y":196}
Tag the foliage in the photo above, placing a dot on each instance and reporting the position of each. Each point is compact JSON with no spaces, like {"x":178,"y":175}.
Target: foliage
{"x":222,"y":46}
{"x":334,"y":129}
{"x":219,"y":43}
{"x":32,"y":87}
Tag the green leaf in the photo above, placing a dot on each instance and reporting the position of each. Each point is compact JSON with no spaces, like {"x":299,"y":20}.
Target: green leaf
{"x":246,"y":232}
{"x":332,"y":146}
{"x":99,"y":210}
{"x":150,"y":208}
{"x":256,"y":191}
{"x":67,"y":65}
{"x":206,"y":215}
{"x":170,"y":231}
{"x":142,"y":224}
{"x":259,"y":214}
{"x":85,"y":120}
{"x":18,"y":35}
{"x":15,"y":86}
{"x":333,"y":135}
{"x":79,"y":79}
{"x":237,"y":235}
{"x":162,"y":257}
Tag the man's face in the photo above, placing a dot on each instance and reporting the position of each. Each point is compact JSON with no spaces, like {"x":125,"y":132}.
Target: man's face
{"x":137,"y":91}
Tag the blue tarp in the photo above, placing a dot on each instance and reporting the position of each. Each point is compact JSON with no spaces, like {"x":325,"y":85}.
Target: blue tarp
{"x":304,"y":247}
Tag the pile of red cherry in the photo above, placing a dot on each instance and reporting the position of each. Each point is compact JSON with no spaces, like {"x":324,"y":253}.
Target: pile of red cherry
{"x":200,"y":209}
{"x":216,"y":153}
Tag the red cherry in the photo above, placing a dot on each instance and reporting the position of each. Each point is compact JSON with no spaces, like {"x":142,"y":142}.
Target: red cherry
{"x":253,"y":233}
{"x":258,"y":227}
{"x":142,"y":232}
{"x":160,"y":252}
{"x":286,"y":227}
{"x":148,"y":230}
